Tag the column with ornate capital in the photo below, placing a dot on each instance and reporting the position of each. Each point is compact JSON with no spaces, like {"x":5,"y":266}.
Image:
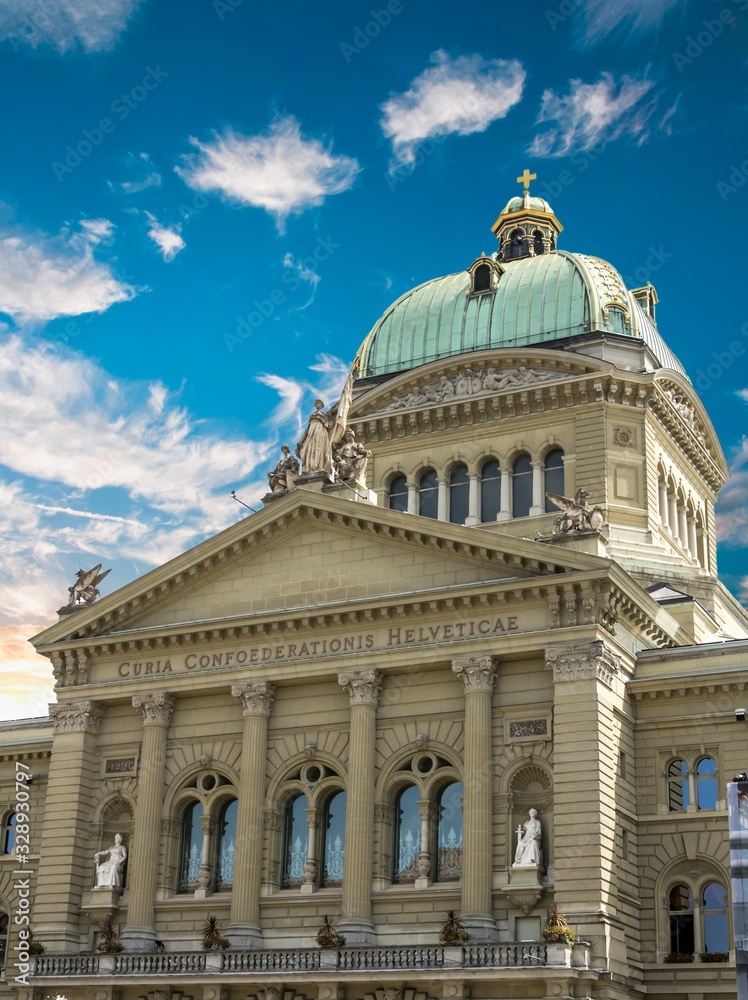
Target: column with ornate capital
{"x":140,"y":933}
{"x":256,"y":699}
{"x":66,"y":869}
{"x":478,"y":676}
{"x":363,"y":687}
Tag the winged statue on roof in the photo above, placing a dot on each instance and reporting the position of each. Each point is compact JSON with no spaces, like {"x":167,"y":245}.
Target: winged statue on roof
{"x":577,"y":514}
{"x":85,"y":590}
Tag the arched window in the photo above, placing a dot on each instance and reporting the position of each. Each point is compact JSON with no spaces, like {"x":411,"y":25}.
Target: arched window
{"x":521,"y":486}
{"x":449,"y":833}
{"x":514,"y":245}
{"x":295,"y":842}
{"x":706,"y":783}
{"x":407,"y":835}
{"x":399,"y":494}
{"x":333,"y":849}
{"x":482,"y":278}
{"x":677,"y":786}
{"x":4,"y":928}
{"x":459,"y":495}
{"x":538,"y":243}
{"x":490,"y":490}
{"x":681,"y":920}
{"x":226,"y":846}
{"x":714,"y":914}
{"x":428,"y":504}
{"x":191,"y":846}
{"x":554,"y":477}
{"x":9,"y":833}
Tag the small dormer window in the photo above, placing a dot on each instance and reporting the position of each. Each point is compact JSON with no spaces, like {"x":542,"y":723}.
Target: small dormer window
{"x":482,"y":280}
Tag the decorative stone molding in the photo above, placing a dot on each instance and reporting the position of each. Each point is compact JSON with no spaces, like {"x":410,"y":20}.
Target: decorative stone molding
{"x":470,"y":382}
{"x":257,"y":697}
{"x":156,"y":708}
{"x":477,"y":673}
{"x":583,"y":661}
{"x":623,"y":437}
{"x":363,"y":686}
{"x":76,"y":717}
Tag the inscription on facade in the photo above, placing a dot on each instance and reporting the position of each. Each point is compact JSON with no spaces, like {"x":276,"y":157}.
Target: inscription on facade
{"x":389,"y":638}
{"x":120,"y":765}
{"x":532,"y":727}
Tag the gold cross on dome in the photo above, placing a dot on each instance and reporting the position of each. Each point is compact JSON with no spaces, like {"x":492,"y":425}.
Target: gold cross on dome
{"x":526,"y":178}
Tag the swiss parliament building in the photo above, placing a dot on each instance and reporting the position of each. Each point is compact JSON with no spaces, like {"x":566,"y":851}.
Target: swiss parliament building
{"x":451,"y":716}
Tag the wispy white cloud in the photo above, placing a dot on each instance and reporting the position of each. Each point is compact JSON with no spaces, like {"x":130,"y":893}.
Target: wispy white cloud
{"x":43,"y":277}
{"x":453,"y":97}
{"x":279,"y":170}
{"x":169,"y":241}
{"x":303,"y":273}
{"x":731,"y":515}
{"x":331,"y":373}
{"x":601,"y":17}
{"x":149,"y":176}
{"x":91,"y":515}
{"x":66,"y":24}
{"x":591,"y":113}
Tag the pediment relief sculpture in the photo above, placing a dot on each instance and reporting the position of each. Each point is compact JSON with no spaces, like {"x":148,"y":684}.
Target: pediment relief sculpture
{"x":471,"y":382}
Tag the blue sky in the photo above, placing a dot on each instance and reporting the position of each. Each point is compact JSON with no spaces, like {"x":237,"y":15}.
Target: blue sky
{"x":206,"y":206}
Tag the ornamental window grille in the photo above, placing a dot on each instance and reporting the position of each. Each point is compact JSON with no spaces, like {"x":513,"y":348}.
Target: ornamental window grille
{"x":677,"y":786}
{"x":490,"y":490}
{"x":554,"y":477}
{"x":9,"y":833}
{"x":295,"y":842}
{"x":191,"y":846}
{"x":459,"y":494}
{"x":334,"y":840}
{"x":449,"y":833}
{"x":428,"y":494}
{"x":407,"y":844}
{"x":521,"y":486}
{"x":226,"y":846}
{"x":398,"y":494}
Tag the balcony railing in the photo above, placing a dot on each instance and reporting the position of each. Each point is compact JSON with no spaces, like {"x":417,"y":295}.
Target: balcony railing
{"x":296,"y":960}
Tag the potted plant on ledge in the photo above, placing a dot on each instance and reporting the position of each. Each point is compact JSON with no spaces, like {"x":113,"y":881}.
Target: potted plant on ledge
{"x":109,"y":941}
{"x":559,"y":938}
{"x":712,"y":956}
{"x":211,"y":937}
{"x":679,"y":958}
{"x":35,"y":947}
{"x":327,"y":936}
{"x":453,"y":930}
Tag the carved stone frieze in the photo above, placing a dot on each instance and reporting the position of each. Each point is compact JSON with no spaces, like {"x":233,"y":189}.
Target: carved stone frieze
{"x":363,"y":686}
{"x":256,"y":697}
{"x":156,"y":708}
{"x":583,"y":661}
{"x":477,"y":673}
{"x":686,"y":413}
{"x":76,"y":717}
{"x":470,"y":382}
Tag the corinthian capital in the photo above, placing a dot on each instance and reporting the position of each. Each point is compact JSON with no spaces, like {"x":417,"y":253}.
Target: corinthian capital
{"x":76,"y":716}
{"x":156,"y":708}
{"x":582,"y":661}
{"x":477,"y":673}
{"x":256,"y":697}
{"x":363,"y":686}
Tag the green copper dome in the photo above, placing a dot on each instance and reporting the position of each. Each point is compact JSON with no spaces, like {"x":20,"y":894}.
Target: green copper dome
{"x":531,"y":202}
{"x":536,"y":301}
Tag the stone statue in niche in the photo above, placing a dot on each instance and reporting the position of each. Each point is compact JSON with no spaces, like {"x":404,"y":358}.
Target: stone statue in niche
{"x":109,"y":872}
{"x":528,"y":851}
{"x":351,"y":458}
{"x":284,"y":475}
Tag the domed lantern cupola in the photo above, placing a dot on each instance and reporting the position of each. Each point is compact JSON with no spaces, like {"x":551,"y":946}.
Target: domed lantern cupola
{"x":527,"y":226}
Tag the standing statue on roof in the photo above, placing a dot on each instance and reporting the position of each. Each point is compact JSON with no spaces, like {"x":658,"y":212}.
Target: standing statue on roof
{"x":324,"y":430}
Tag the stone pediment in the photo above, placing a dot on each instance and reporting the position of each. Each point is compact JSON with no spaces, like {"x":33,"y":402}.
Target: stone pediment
{"x":309,"y":552}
